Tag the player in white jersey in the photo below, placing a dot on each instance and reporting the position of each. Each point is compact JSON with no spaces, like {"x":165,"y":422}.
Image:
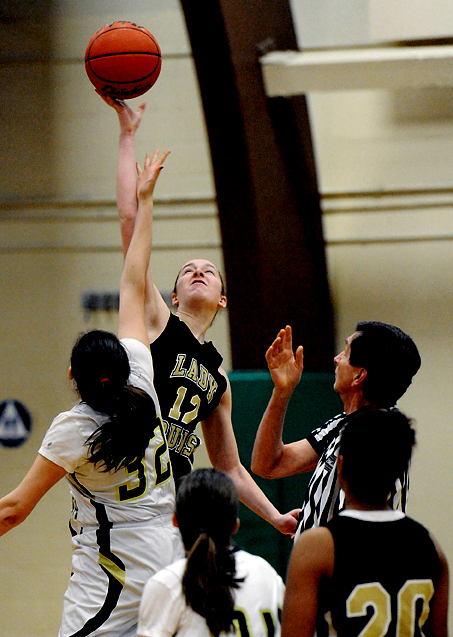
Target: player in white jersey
{"x":216,"y":590}
{"x":112,"y":449}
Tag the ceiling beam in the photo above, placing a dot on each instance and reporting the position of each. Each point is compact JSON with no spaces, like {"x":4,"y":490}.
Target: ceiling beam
{"x":288,"y":73}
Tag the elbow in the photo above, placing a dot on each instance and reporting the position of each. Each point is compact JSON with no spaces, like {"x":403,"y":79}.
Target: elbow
{"x":11,"y":518}
{"x":126,"y":214}
{"x":257,"y":469}
{"x":262,"y":469}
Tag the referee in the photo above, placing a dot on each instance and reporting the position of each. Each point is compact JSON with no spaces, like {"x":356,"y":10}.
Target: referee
{"x":373,"y":371}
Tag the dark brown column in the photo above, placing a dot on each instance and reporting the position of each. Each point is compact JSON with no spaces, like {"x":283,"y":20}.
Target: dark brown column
{"x":265,"y":179}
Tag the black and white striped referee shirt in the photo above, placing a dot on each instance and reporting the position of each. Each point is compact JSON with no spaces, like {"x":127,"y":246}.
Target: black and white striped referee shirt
{"x":324,"y":497}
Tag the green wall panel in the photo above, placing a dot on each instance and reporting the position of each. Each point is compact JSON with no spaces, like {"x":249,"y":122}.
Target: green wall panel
{"x":313,"y":402}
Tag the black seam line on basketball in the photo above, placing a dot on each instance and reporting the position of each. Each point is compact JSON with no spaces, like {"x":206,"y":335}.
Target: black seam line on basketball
{"x":148,"y":35}
{"x":110,"y":55}
{"x":134,"y":81}
{"x":124,"y":27}
{"x":140,"y":79}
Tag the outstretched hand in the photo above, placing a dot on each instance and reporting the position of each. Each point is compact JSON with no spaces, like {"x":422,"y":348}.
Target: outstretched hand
{"x":285,"y":367}
{"x":129,"y":119}
{"x":287,"y":523}
{"x":146,"y":178}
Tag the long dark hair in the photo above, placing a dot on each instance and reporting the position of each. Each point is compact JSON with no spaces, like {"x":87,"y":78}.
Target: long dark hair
{"x":206,"y":511}
{"x":100,"y":368}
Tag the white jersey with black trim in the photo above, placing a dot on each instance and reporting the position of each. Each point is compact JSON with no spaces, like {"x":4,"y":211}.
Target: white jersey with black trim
{"x":258,"y":602}
{"x":136,"y":493}
{"x":323,"y":497}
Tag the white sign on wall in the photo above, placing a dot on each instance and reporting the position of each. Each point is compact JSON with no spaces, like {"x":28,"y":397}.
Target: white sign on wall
{"x":15,"y":423}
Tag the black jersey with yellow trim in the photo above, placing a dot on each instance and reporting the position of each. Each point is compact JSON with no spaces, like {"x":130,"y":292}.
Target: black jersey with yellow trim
{"x":385,"y":573}
{"x":189,"y":386}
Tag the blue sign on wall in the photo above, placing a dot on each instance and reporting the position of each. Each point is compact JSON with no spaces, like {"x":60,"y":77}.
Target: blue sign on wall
{"x":15,"y":423}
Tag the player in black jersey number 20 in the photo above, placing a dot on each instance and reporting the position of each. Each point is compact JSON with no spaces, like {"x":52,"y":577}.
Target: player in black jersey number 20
{"x":377,"y":571}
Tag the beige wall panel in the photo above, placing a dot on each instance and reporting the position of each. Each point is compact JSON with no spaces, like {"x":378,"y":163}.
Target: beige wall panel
{"x":85,"y":132}
{"x":382,"y":140}
{"x":41,"y":317}
{"x":95,"y":241}
{"x":396,"y":223}
{"x":201,"y":459}
{"x":409,"y":19}
{"x":55,"y":126}
{"x":26,"y":123}
{"x":330,"y":23}
{"x":35,"y":566}
{"x":77,"y":20}
{"x":25,"y":30}
{"x":77,"y":231}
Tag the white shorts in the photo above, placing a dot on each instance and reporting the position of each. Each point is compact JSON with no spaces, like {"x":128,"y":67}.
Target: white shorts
{"x":110,"y":568}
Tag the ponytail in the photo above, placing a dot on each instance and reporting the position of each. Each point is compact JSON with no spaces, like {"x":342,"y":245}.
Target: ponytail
{"x":206,"y":510}
{"x":125,"y":437}
{"x":100,"y":368}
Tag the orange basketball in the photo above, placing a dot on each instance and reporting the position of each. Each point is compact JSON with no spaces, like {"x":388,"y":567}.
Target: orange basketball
{"x":123,"y":60}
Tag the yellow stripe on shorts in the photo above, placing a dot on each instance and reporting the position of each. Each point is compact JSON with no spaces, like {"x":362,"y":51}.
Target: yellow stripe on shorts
{"x":117,"y":572}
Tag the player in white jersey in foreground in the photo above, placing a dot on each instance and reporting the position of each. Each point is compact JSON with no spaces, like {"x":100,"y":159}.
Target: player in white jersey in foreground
{"x":112,"y":449}
{"x":215,"y":589}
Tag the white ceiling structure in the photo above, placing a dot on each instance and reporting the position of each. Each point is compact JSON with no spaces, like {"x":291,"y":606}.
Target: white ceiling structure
{"x":364,"y":44}
{"x":288,"y":73}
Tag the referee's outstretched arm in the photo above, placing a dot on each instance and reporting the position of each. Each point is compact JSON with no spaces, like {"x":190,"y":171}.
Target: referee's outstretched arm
{"x":271,"y":458}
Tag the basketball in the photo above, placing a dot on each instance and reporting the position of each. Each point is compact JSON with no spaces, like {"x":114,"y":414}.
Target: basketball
{"x":123,"y":60}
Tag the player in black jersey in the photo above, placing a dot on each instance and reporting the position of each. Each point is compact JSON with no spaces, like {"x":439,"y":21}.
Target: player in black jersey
{"x":377,"y":571}
{"x":190,"y":383}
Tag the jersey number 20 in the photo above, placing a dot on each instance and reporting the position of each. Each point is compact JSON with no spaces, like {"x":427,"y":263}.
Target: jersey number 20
{"x":375,"y":595}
